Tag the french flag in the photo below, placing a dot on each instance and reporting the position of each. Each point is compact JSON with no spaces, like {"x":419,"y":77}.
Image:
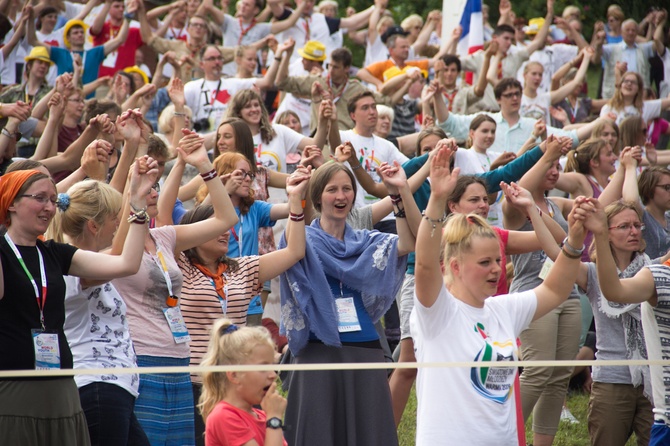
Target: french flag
{"x":472,"y":38}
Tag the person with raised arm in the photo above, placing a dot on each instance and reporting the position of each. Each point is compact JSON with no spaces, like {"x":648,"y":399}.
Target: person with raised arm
{"x":32,"y":307}
{"x":457,"y":305}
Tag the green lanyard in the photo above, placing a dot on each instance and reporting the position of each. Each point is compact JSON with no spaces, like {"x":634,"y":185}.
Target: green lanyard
{"x":40,"y":301}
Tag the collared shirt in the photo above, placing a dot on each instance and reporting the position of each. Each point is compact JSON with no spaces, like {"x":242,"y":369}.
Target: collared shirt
{"x":629,"y":53}
{"x":302,"y":86}
{"x":508,"y":138}
{"x":181,"y":49}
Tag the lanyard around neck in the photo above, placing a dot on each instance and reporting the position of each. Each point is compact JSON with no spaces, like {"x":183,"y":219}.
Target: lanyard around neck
{"x":41,"y":301}
{"x":160,"y":261}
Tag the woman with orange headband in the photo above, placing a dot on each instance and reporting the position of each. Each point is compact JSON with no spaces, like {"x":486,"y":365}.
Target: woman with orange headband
{"x":46,"y":410}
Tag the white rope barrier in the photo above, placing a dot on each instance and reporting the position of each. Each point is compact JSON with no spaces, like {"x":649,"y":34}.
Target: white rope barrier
{"x":8,"y":374}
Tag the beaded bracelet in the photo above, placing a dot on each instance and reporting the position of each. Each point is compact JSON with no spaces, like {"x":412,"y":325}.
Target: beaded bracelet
{"x":357,"y":167}
{"x":209,"y":175}
{"x":296,"y":217}
{"x":434,"y":222}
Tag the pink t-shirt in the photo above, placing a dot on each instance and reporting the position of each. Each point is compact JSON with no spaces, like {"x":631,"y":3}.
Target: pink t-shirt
{"x":145,"y":294}
{"x":657,"y":127}
{"x":229,"y":426}
{"x":503,"y":235}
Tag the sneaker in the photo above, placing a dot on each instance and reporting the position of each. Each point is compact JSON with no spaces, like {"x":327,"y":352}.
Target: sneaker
{"x":566,"y":415}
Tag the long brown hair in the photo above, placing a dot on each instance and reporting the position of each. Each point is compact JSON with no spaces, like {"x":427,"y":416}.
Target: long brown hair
{"x":617,"y":102}
{"x":242,"y":98}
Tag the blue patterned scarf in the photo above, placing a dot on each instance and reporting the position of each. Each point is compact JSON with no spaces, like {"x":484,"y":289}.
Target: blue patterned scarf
{"x":366,"y":261}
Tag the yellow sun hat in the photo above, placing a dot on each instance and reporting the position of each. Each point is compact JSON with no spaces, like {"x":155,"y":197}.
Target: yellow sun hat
{"x":313,"y":50}
{"x":39,"y":53}
{"x":138,"y":70}
{"x":69,"y":25}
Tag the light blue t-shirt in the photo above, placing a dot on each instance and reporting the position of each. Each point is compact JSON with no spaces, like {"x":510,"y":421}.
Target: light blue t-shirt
{"x":91,"y":59}
{"x":247,"y":229}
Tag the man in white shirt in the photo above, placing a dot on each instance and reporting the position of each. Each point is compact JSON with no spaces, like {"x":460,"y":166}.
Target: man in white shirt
{"x":244,"y":29}
{"x":635,"y":55}
{"x":370,"y":149}
{"x":208,"y":97}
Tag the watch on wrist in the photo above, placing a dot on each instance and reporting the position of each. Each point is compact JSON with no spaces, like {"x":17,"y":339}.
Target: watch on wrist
{"x":274,"y":423}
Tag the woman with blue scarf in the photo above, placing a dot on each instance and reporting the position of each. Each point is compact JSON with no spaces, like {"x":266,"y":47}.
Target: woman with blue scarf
{"x":330,"y":302}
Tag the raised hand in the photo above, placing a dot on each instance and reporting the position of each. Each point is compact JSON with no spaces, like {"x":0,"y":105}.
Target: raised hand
{"x":192,"y":147}
{"x":540,"y":129}
{"x":517,"y":196}
{"x":344,"y":152}
{"x":232,"y":181}
{"x":442,"y":179}
{"x":590,"y":215}
{"x":298,"y":181}
{"x":143,"y":176}
{"x":175,"y":90}
{"x":312,"y":156}
{"x":102,"y":124}
{"x":56,"y":105}
{"x":95,"y":159}
{"x":558,"y":114}
{"x":502,"y":159}
{"x":393,"y":177}
{"x":128,"y":127}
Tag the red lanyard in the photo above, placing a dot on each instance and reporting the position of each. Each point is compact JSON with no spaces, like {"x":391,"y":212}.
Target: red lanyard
{"x":330,"y":87}
{"x":450,"y":97}
{"x":258,"y":154}
{"x":306,"y":26}
{"x":243,"y":31}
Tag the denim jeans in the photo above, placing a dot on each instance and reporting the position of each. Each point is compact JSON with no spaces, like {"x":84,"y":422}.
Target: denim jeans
{"x":110,"y":416}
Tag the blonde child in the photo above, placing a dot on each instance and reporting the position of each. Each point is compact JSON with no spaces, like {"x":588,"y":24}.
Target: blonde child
{"x":228,"y":398}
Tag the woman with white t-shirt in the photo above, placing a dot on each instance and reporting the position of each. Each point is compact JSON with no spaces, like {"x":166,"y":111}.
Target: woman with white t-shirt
{"x":276,"y":146}
{"x":96,"y":323}
{"x":536,"y":106}
{"x":628,"y":101}
{"x":457,"y":307}
{"x":477,"y":160}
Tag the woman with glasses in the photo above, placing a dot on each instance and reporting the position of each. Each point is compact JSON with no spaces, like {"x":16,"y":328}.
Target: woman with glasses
{"x":164,"y":407}
{"x":47,"y":411}
{"x":628,"y":101}
{"x":649,"y":287}
{"x":556,"y":335}
{"x":654,"y":192}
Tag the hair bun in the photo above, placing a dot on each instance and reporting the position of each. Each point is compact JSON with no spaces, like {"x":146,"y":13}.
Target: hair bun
{"x":63,"y":202}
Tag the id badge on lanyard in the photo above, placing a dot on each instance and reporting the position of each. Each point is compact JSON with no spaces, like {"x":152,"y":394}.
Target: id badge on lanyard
{"x":45,"y":342}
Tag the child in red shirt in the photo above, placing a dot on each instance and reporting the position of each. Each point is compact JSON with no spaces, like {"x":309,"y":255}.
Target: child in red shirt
{"x":228,"y":398}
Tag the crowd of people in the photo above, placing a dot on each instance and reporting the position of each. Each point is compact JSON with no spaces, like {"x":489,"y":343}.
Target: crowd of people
{"x":222,"y":184}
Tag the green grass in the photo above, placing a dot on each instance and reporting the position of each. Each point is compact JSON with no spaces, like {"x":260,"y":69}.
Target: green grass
{"x":568,"y":434}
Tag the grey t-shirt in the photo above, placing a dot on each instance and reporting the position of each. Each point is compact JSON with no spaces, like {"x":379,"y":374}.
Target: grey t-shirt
{"x":610,"y":341}
{"x":361,"y":218}
{"x":656,"y":236}
{"x":527,"y":266}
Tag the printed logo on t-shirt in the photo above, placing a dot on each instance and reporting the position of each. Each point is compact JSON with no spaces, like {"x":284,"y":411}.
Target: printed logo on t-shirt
{"x":493,"y":383}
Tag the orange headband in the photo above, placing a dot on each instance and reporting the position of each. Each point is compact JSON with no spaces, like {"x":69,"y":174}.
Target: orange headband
{"x":10,"y":184}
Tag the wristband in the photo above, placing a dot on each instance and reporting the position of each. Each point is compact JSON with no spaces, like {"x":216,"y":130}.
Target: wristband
{"x":296,"y":217}
{"x":395,"y":198}
{"x":209,"y":175}
{"x":278,"y":59}
{"x":179,"y":114}
{"x":400,"y":214}
{"x":568,"y":255}
{"x":140,"y":218}
{"x":571,"y":249}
